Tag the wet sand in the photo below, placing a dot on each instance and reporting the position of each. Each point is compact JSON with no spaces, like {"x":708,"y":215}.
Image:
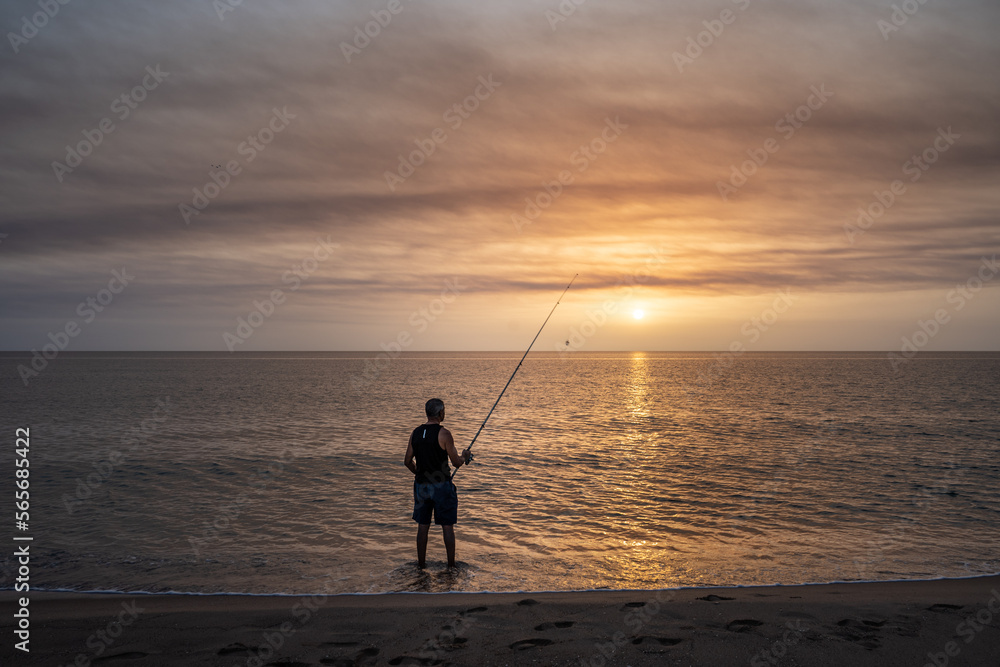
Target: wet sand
{"x":946,"y":622}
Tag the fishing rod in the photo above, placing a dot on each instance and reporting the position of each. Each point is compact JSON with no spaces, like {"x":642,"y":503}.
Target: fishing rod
{"x":515,"y":370}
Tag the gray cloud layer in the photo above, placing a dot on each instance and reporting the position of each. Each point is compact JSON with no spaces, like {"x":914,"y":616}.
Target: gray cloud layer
{"x":324,"y":173}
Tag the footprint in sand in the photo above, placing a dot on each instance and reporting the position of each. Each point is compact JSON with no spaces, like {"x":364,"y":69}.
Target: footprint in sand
{"x":527,"y":602}
{"x":860,"y":624}
{"x":441,"y":644}
{"x":662,"y":641}
{"x":714,"y":598}
{"x":474,"y":610}
{"x":339,"y":644}
{"x":905,"y":626}
{"x":531,"y":643}
{"x":236,"y":648}
{"x":411,"y":660}
{"x":860,"y":632}
{"x":743,"y":624}
{"x":556,"y":624}
{"x":941,"y":607}
{"x":364,"y":657}
{"x":130,"y":655}
{"x":633,"y":605}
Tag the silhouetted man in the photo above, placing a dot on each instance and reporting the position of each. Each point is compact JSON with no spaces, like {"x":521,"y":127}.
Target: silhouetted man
{"x":433,"y":493}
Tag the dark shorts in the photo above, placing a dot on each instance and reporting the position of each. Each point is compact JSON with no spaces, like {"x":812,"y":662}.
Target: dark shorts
{"x":439,"y":499}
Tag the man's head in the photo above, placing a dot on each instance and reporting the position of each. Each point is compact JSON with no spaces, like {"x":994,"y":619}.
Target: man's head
{"x":434,"y":408}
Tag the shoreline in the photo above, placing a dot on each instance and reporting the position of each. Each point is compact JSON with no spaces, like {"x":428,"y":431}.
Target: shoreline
{"x":58,"y":591}
{"x":952,"y":621}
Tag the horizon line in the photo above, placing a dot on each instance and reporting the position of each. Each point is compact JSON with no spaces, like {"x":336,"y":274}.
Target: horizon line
{"x":512,"y":351}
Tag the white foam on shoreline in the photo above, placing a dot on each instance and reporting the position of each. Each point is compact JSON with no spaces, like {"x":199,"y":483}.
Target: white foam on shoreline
{"x":519,"y":592}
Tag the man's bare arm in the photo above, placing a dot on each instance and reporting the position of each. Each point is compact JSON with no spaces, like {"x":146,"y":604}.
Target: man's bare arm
{"x":448,"y":444}
{"x":408,"y":459}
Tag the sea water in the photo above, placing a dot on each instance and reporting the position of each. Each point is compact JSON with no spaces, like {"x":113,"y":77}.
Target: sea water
{"x":283,"y":472}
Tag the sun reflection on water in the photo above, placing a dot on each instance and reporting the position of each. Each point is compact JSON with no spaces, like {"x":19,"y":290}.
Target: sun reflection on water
{"x":637,"y":385}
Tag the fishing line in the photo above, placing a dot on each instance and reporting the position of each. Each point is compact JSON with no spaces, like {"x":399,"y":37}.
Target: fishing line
{"x":516,"y":369}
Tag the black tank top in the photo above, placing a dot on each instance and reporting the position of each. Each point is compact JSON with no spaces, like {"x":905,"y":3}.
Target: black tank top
{"x":432,"y":461}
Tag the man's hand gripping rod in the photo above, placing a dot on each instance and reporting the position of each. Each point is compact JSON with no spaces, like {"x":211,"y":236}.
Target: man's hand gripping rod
{"x":469,"y":448}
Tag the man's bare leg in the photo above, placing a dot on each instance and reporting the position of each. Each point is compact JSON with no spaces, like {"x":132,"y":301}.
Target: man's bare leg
{"x":422,"y":529}
{"x":449,"y":543}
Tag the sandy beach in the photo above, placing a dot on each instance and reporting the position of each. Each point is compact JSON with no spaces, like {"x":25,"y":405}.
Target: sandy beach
{"x":943,"y":622}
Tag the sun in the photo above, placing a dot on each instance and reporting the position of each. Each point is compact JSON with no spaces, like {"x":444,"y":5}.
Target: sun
{"x":638,"y":313}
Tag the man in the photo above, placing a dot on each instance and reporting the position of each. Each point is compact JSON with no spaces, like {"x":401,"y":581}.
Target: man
{"x":433,"y":492}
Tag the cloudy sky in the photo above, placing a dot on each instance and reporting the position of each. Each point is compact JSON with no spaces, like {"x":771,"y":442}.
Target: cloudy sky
{"x":713,"y":156}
